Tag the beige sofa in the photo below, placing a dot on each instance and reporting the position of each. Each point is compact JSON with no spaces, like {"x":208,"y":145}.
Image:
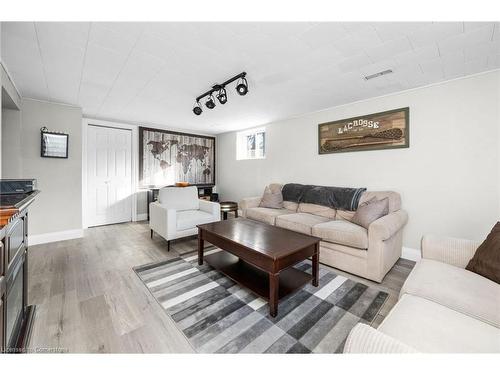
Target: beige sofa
{"x":369,"y":253}
{"x":442,"y":308}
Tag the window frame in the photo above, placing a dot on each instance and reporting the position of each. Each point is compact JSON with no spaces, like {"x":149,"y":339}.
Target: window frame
{"x":242,"y":150}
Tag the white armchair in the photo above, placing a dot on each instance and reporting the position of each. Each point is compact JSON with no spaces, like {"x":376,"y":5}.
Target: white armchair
{"x":178,"y":211}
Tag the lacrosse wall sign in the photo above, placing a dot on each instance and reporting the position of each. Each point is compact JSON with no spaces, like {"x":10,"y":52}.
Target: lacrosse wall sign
{"x":378,"y":131}
{"x":167,"y":157}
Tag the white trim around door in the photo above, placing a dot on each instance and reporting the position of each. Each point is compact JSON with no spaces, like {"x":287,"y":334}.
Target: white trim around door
{"x":134,"y":165}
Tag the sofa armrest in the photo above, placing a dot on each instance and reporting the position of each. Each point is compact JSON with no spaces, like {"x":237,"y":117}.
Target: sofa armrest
{"x":388,"y":225}
{"x":365,"y":339}
{"x":163,"y":220}
{"x":247,"y":203}
{"x":212,"y":208}
{"x":454,"y":251}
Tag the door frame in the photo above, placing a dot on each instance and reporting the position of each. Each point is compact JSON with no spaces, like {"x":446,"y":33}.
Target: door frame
{"x":134,"y":162}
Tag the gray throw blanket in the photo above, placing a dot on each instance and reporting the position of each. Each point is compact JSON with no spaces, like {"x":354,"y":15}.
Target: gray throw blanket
{"x":330,"y":196}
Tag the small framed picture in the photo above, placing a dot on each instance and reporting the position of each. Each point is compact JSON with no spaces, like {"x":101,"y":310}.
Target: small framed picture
{"x":54,"y":145}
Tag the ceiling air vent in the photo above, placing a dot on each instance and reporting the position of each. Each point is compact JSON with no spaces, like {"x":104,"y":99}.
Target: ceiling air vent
{"x":379,"y":74}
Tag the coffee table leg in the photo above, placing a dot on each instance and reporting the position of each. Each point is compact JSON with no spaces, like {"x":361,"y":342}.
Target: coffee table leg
{"x":315,"y":266}
{"x":200,"y":248}
{"x":274,"y":283}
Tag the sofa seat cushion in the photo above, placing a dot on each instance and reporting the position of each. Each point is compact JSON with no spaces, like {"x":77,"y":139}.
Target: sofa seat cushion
{"x":456,"y":288}
{"x":342,"y":232}
{"x":433,"y":328}
{"x":189,"y":219}
{"x":300,"y":222}
{"x":266,"y":215}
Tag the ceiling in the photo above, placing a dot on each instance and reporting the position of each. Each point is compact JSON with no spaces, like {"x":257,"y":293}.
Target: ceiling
{"x":150,"y":73}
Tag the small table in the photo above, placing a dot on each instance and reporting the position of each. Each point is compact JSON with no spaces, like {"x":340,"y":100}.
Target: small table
{"x":226,"y":207}
{"x":260,"y":256}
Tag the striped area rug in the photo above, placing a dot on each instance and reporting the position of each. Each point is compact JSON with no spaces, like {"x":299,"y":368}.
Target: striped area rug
{"x":219,"y":316}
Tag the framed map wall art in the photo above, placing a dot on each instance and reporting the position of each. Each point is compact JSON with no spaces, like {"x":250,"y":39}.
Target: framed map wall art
{"x":167,"y":157}
{"x":377,"y":131}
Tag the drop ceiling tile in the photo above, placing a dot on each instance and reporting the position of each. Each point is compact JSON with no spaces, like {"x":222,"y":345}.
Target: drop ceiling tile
{"x":354,"y":27}
{"x":139,"y":69}
{"x":454,"y":69}
{"x":323,"y":34}
{"x":70,"y":33}
{"x":494,"y":61}
{"x":354,"y":63}
{"x":482,"y":49}
{"x":464,"y":40}
{"x":357,"y":42}
{"x":127,"y":30}
{"x":283,"y":30}
{"x":102,"y":65}
{"x":389,"y":49}
{"x":22,"y":30}
{"x":469,"y":26}
{"x":496,"y":31}
{"x":21,"y":56}
{"x":395,"y":30}
{"x":104,"y":35}
{"x":91,"y":96}
{"x":435,"y":32}
{"x":31,"y":84}
{"x":417,"y":55}
{"x":153,"y":45}
{"x":477,"y":65}
{"x":434,"y":66}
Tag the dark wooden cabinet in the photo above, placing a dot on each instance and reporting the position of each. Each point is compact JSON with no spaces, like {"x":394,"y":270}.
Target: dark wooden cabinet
{"x":16,"y":315}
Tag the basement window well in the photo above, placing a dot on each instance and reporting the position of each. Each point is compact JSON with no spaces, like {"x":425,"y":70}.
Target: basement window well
{"x":251,"y":144}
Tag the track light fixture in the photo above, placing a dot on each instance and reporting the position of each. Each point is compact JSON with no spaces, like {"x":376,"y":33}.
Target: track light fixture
{"x":221,"y":93}
{"x":210,"y":103}
{"x":222,"y":96}
{"x":197,"y":109}
{"x":242,"y":86}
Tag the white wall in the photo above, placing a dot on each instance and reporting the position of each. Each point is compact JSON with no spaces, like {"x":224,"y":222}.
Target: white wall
{"x":11,"y":143}
{"x":58,"y":207}
{"x":449,"y":178}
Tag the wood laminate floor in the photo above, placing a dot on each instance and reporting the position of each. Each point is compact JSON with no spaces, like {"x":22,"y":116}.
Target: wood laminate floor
{"x":90,"y":300}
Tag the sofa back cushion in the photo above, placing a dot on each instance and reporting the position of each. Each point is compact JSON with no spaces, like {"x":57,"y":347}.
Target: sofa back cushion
{"x":393,"y":197}
{"x":344,"y":215}
{"x":317,"y":209}
{"x":292,"y":206}
{"x":180,"y":198}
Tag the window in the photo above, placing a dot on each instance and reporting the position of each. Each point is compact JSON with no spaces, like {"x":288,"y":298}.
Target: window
{"x":251,"y":144}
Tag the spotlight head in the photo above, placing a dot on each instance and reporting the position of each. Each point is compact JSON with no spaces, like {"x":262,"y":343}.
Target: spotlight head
{"x":197,"y":109}
{"x":242,"y":87}
{"x":210,"y":103}
{"x":222,"y":96}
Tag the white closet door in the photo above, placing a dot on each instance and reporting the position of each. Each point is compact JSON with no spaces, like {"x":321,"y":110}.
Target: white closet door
{"x":109,"y":175}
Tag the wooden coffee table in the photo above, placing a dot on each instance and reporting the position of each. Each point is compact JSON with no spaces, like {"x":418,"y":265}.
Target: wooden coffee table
{"x":260,"y":256}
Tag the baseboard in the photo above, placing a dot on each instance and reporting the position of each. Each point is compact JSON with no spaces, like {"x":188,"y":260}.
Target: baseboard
{"x":36,"y":239}
{"x":141,"y":217}
{"x":411,"y":254}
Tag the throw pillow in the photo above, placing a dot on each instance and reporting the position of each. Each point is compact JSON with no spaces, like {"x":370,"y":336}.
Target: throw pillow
{"x":486,"y":260}
{"x":271,"y":199}
{"x":370,"y":211}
